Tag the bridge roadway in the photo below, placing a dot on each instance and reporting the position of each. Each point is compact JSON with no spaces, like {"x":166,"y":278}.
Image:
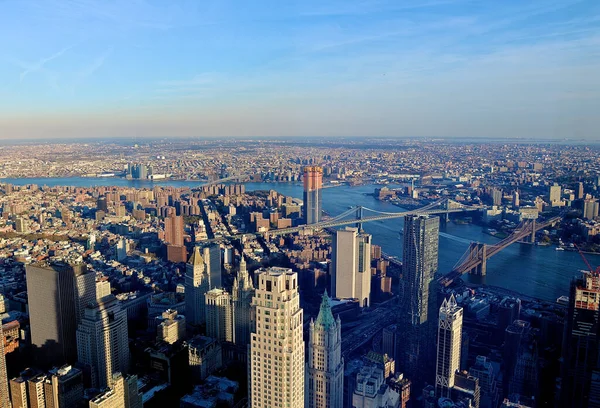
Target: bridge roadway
{"x":481,"y":253}
{"x":222,"y":180}
{"x":339,"y":223}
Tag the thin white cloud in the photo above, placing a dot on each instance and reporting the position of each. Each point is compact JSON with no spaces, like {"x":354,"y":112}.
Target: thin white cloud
{"x":39,"y":65}
{"x":95,"y":65}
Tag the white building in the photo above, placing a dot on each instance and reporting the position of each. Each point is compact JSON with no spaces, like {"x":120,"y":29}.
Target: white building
{"x":371,"y":390}
{"x":351,"y":266}
{"x":196,"y":286}
{"x":102,"y":288}
{"x":218,"y":315}
{"x":555,"y":194}
{"x":448,"y":346}
{"x":243,"y":311}
{"x":171,"y":328}
{"x":102,"y":341}
{"x":276,"y":356}
{"x":325,"y":366}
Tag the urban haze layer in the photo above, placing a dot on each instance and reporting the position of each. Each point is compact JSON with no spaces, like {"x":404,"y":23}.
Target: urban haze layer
{"x":314,"y":273}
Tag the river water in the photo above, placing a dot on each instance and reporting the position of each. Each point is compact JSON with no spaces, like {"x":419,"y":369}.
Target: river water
{"x":535,"y":271}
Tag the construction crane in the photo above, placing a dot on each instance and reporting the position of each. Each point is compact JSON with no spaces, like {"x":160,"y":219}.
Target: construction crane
{"x":590,"y":268}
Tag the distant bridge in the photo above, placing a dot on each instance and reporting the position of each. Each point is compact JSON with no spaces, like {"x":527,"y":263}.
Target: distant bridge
{"x":239,"y":177}
{"x":443,"y":206}
{"x":474,"y":260}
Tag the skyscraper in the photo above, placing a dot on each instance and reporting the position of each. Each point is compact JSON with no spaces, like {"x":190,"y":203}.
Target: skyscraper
{"x":174,"y":232}
{"x":419,"y":307}
{"x":580,"y":191}
{"x":555,"y":193}
{"x":484,"y":371}
{"x":212,"y":262}
{"x":64,"y":387}
{"x":218,"y":315}
{"x":243,"y":311}
{"x":581,"y":343}
{"x":351,"y":266}
{"x":313,"y":181}
{"x":102,"y":341}
{"x":448,"y":346}
{"x":171,"y":328}
{"x":57,"y":296}
{"x":113,"y":397}
{"x":325,"y":366}
{"x":4,"y":393}
{"x":196,"y":286}
{"x":277,"y":348}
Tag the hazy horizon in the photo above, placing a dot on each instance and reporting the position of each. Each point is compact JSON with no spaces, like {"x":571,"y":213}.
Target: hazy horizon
{"x":439,"y":69}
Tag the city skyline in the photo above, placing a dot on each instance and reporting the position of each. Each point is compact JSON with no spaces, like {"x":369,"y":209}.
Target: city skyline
{"x":245,"y":319}
{"x":419,"y":69}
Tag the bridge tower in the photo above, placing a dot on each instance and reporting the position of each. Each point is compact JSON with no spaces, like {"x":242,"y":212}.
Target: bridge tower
{"x":533,"y":231}
{"x":445,"y":205}
{"x":359,"y":216}
{"x":478,"y":251}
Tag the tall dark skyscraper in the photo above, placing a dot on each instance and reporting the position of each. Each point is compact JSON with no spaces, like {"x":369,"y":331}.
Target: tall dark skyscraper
{"x":102,"y":204}
{"x":580,"y":386}
{"x":419,"y":304}
{"x":212,"y":261}
{"x":313,"y":181}
{"x":58,"y":294}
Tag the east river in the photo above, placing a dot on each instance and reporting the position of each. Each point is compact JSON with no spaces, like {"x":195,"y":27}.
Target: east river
{"x":535,"y":271}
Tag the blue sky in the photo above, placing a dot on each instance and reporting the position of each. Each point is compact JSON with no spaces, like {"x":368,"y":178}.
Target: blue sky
{"x":422,"y":68}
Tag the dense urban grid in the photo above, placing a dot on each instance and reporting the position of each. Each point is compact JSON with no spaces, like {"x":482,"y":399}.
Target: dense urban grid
{"x":143,"y":290}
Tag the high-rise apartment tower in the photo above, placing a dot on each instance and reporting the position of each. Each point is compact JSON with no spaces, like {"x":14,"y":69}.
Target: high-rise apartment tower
{"x":419,"y":307}
{"x":313,"y":182}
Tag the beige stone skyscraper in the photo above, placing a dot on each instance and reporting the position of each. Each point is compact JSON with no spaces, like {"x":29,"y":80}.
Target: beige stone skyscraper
{"x":102,"y":341}
{"x":243,"y":311}
{"x":325,"y":366}
{"x":4,"y":394}
{"x":276,"y":357}
{"x":171,"y":328}
{"x":218,"y":315}
{"x":196,"y":286}
{"x":122,"y":393}
{"x":448,"y":346}
{"x":351,"y":265}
